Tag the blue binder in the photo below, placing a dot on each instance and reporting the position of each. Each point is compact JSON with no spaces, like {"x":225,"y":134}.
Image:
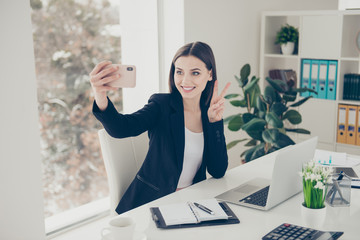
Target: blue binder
{"x":332,"y":79}
{"x":314,"y":77}
{"x":322,"y":88}
{"x":305,"y":75}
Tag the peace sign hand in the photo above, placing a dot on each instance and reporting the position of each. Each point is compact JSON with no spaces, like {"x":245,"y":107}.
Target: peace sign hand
{"x":216,"y":109}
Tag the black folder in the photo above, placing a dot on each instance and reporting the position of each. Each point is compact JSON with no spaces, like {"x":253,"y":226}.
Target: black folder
{"x":160,"y":223}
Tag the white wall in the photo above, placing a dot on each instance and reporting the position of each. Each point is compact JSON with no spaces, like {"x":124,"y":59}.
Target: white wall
{"x":152,"y":31}
{"x":21,"y":203}
{"x":171,"y":36}
{"x":232,"y":29}
{"x":139,"y":47}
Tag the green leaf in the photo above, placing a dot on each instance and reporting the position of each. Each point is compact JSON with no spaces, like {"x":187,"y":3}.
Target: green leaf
{"x":272,"y":119}
{"x":298,"y":130}
{"x":241,"y":84}
{"x":301,"y":90}
{"x":254,"y":152}
{"x":245,"y":72}
{"x":261,"y":114}
{"x":259,"y":151}
{"x":277,"y":84}
{"x":232,"y":95}
{"x":291,"y":92}
{"x":269,"y":94}
{"x":235,"y":123}
{"x":233,"y":143}
{"x":255,"y":134}
{"x":278,"y":108}
{"x":282,"y":130}
{"x":252,"y":84}
{"x":261,"y":106}
{"x":283,"y":141}
{"x":289,"y":98}
{"x":252,"y":142}
{"x":238,"y":103}
{"x":252,"y":93}
{"x":247,"y":117}
{"x":254,"y":128}
{"x":300,"y":102}
{"x":248,"y":153}
{"x":254,"y":124}
{"x":278,"y":98}
{"x":270,"y":135}
{"x":293,"y":116}
{"x":273,"y":149}
{"x":227,"y":119}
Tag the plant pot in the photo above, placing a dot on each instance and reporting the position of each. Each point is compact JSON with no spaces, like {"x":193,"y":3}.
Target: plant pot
{"x":312,"y":217}
{"x":287,"y":48}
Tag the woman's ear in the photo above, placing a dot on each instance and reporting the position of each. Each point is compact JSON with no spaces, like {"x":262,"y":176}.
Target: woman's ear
{"x":211,"y":76}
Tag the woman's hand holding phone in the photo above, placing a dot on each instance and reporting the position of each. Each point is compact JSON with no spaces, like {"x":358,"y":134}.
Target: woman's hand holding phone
{"x":100,"y":76}
{"x":107,"y":76}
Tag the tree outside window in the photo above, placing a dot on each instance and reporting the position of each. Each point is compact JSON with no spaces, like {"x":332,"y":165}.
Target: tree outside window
{"x":70,"y":37}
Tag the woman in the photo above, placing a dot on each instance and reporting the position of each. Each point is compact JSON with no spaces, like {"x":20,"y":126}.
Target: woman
{"x":185,"y":126}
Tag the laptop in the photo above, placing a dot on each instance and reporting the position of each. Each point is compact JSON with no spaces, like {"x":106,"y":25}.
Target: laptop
{"x":263,"y":193}
{"x":352,"y":172}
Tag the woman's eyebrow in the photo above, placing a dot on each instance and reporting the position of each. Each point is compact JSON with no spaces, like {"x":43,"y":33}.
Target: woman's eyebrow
{"x":194,"y":69}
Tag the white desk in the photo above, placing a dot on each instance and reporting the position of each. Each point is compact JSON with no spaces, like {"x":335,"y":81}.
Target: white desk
{"x":254,"y":224}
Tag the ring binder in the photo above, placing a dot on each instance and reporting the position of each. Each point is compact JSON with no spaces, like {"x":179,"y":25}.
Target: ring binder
{"x":332,"y":79}
{"x":322,"y":88}
{"x":342,"y":123}
{"x":314,"y":77}
{"x":305,"y":76}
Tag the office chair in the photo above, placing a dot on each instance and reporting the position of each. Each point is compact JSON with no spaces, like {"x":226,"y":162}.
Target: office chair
{"x":122,"y":159}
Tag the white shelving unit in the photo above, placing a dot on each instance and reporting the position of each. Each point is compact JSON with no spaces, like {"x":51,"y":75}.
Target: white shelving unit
{"x":322,"y":35}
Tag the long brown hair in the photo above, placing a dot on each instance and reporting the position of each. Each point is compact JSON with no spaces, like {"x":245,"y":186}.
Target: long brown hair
{"x":203,"y":52}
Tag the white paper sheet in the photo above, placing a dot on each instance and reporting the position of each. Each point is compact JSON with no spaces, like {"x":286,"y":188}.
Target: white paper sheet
{"x":182,"y":213}
{"x":330,"y":158}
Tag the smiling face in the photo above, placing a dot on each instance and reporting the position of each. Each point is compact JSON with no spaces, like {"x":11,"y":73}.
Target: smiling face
{"x":191,"y":77}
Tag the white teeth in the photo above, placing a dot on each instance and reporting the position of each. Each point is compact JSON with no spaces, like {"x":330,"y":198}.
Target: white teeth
{"x":187,"y":88}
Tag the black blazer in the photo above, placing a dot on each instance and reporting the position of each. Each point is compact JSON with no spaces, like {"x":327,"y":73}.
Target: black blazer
{"x":163,"y":118}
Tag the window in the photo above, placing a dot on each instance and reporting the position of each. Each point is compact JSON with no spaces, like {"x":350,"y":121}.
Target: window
{"x":70,"y":37}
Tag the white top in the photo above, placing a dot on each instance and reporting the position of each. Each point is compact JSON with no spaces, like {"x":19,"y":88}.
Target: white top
{"x":193,"y":153}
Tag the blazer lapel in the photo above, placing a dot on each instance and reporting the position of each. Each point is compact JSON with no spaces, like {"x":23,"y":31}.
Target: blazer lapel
{"x":177,"y":127}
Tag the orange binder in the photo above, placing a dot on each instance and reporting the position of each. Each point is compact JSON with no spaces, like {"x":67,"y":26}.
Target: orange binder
{"x":358,"y":126}
{"x":341,"y":124}
{"x":351,"y":125}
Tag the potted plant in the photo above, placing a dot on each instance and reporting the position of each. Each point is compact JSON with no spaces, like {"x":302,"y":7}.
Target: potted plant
{"x":287,"y":37}
{"x":262,"y":116}
{"x":314,"y":179}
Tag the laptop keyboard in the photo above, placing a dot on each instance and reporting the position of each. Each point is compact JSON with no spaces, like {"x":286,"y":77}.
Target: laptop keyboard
{"x":258,"y":198}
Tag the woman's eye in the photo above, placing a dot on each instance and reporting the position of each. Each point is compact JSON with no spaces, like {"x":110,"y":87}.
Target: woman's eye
{"x":196,"y":73}
{"x":178,"y":72}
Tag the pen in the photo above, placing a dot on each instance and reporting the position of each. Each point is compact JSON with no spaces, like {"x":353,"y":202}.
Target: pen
{"x":205,"y":209}
{"x":336,"y":187}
